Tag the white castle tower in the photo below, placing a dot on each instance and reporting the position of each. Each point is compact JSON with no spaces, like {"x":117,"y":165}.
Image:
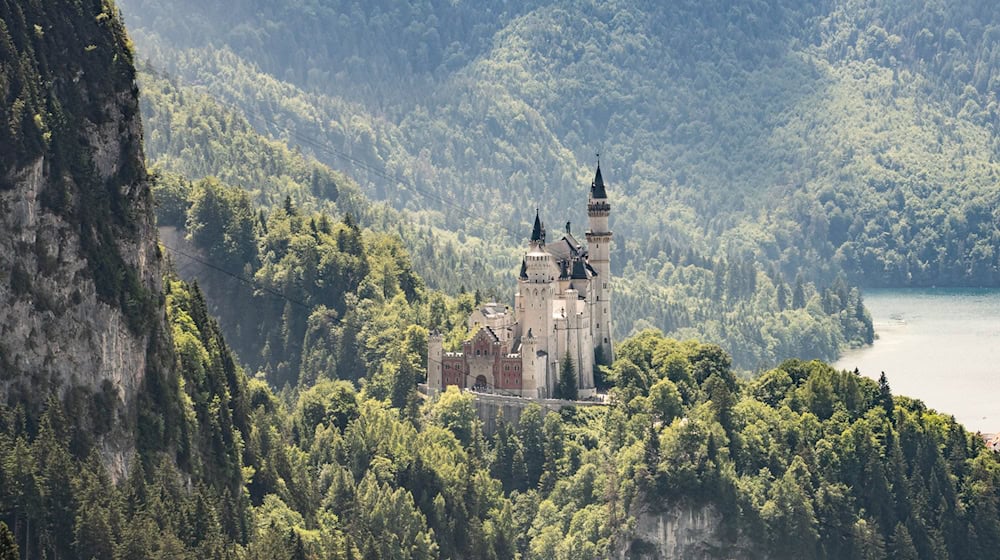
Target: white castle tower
{"x":599,"y":244}
{"x":562,"y":308}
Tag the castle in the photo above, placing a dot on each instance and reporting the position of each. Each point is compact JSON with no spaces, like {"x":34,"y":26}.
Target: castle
{"x":562,"y":307}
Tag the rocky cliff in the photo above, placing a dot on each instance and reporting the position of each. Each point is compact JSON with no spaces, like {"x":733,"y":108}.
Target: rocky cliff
{"x":81,"y":314}
{"x":685,"y":532}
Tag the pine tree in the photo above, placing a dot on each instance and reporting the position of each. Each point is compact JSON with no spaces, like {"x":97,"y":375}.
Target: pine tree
{"x":885,"y":396}
{"x":566,"y":387}
{"x":799,"y":293}
{"x":8,"y":546}
{"x":529,"y":431}
{"x":901,"y":546}
{"x":782,"y":293}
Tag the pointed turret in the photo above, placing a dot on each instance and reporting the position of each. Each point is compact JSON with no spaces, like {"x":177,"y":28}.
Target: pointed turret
{"x":524,"y":269}
{"x":597,"y":205}
{"x":538,"y":232}
{"x":597,"y":191}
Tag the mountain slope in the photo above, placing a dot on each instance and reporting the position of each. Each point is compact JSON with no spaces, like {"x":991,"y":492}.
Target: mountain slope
{"x":80,"y":291}
{"x":745,"y":306}
{"x":838,"y":136}
{"x":102,"y":381}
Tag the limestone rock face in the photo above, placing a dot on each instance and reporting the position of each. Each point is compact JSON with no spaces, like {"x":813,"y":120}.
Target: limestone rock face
{"x":81,"y":313}
{"x":55,"y":332}
{"x":683,"y":532}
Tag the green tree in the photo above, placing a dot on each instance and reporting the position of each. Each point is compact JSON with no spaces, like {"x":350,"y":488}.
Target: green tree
{"x":530,"y":431}
{"x":455,"y":411}
{"x":328,"y":403}
{"x":567,"y":386}
{"x":221,"y":222}
{"x":866,"y":542}
{"x":885,"y":396}
{"x":508,"y":465}
{"x":901,"y":544}
{"x":665,"y":400}
{"x":8,"y":546}
{"x":789,"y":514}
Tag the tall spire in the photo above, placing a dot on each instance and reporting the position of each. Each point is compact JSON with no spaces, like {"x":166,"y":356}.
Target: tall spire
{"x":597,"y":187}
{"x":538,"y":232}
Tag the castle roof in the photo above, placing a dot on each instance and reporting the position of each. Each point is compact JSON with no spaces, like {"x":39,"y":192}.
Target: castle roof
{"x":579,"y":270}
{"x":538,"y":231}
{"x":597,"y":187}
{"x":566,"y":248}
{"x":493,"y":335}
{"x":493,"y":309}
{"x":484,"y":331}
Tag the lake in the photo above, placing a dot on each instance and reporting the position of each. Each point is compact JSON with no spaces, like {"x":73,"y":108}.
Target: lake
{"x":941,"y":346}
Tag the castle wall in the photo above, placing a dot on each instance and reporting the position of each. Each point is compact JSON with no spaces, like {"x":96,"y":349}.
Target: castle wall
{"x":490,"y":407}
{"x":563,"y":305}
{"x":435,"y":357}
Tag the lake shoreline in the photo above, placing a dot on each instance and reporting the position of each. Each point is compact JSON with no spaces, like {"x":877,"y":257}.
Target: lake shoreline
{"x":939,"y":345}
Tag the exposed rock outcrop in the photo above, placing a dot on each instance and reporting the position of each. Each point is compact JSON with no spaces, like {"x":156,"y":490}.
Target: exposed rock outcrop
{"x":685,"y":532}
{"x":81,"y":315}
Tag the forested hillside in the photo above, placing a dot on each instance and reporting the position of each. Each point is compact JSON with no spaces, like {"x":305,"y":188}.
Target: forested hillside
{"x":835,"y":136}
{"x":348,"y":461}
{"x":300,"y":272}
{"x":746,"y":306}
{"x":804,"y":462}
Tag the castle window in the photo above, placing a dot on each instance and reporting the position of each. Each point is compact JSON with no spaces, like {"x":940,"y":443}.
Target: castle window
{"x":605,"y":340}
{"x":598,"y":325}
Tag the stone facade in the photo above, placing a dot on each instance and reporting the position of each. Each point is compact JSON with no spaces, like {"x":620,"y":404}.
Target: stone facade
{"x":562,"y":307}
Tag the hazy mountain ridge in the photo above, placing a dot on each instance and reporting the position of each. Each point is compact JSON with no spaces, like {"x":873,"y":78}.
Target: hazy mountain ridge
{"x":710,"y":114}
{"x":742,"y":305}
{"x":778,"y":140}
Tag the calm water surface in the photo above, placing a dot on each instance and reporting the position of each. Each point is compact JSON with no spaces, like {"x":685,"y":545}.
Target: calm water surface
{"x":941,"y":346}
